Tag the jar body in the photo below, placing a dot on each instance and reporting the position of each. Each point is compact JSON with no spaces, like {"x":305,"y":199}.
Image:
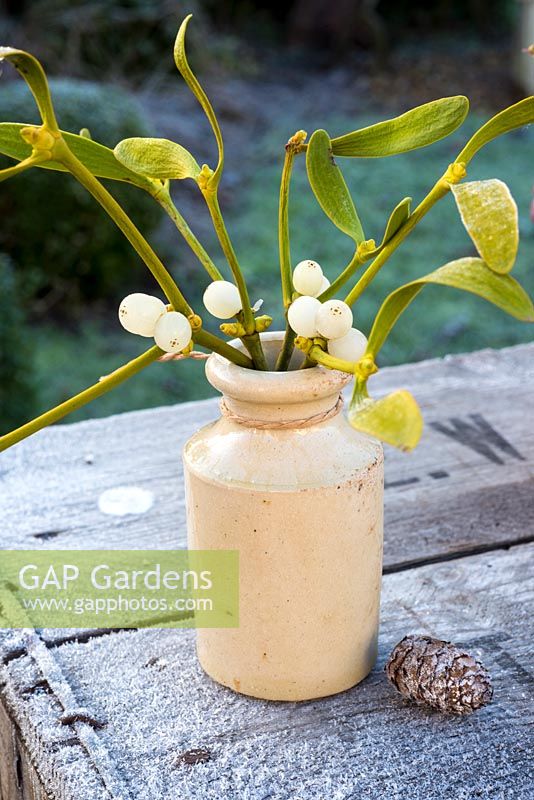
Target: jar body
{"x":304,"y":508}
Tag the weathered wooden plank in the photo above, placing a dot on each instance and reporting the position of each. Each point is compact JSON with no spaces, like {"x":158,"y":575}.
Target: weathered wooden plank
{"x":368,"y":742}
{"x":18,"y":779}
{"x":40,"y":759}
{"x":467,"y":486}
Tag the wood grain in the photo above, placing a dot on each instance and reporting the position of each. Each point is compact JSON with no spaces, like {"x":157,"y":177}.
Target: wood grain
{"x":18,"y":779}
{"x":445,"y":498}
{"x":466,"y":495}
{"x":157,"y":704}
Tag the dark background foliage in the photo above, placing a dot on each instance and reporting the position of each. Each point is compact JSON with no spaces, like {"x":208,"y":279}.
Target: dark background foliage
{"x":67,"y":251}
{"x":270,"y":69}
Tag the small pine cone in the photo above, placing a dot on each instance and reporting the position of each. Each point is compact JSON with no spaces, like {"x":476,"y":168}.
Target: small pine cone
{"x":436,"y":673}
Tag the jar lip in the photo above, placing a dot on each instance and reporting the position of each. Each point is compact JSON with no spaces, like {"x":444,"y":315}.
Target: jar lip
{"x":295,"y":386}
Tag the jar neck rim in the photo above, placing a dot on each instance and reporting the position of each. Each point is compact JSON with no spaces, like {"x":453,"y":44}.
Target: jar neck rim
{"x":297,"y":387}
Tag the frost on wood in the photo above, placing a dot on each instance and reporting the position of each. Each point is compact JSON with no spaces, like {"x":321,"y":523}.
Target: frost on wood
{"x":148,"y":688}
{"x":436,"y":673}
{"x":160,"y":710}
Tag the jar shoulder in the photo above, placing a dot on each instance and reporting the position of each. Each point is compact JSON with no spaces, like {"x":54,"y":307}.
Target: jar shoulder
{"x":322,"y":455}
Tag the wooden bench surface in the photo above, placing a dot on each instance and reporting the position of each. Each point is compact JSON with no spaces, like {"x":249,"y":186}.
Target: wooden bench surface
{"x":458,"y":565}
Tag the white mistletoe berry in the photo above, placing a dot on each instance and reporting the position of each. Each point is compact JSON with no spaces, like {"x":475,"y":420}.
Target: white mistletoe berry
{"x":301,"y":316}
{"x":139,"y":312}
{"x":222,"y":299}
{"x":307,"y":278}
{"x":350,"y":347}
{"x":334,"y":319}
{"x":173,"y":332}
{"x":324,"y":286}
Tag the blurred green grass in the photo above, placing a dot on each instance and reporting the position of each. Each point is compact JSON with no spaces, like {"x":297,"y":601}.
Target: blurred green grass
{"x":440,"y":321}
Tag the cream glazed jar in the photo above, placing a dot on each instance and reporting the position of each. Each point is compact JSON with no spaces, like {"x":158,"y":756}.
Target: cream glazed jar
{"x":283,"y":478}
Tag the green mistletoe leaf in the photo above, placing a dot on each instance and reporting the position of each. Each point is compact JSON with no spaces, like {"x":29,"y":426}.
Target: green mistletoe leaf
{"x":31,"y":70}
{"x":329,"y":187}
{"x":489,"y":215}
{"x":398,"y":217}
{"x":515,"y":116}
{"x":157,"y":158}
{"x":182,"y":64}
{"x":468,"y":274}
{"x":395,"y":419}
{"x":99,"y":160}
{"x":416,"y":128}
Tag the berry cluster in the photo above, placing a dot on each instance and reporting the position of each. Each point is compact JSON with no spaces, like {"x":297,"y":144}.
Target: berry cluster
{"x":148,"y":316}
{"x":331,"y":320}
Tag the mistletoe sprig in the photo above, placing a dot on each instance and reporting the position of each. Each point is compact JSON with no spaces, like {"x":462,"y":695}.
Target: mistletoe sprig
{"x":318,"y":322}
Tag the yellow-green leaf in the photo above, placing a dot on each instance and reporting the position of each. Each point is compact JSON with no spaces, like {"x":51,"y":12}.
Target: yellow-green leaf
{"x":398,"y":217}
{"x":395,"y":419}
{"x":416,"y":128}
{"x":182,"y":64}
{"x":489,"y":215}
{"x":34,"y":75}
{"x":157,"y":158}
{"x":515,"y":116}
{"x":99,"y":160}
{"x":468,"y":274}
{"x":329,"y":187}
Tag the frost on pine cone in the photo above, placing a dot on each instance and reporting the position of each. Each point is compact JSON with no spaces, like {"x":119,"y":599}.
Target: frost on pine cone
{"x":436,"y":673}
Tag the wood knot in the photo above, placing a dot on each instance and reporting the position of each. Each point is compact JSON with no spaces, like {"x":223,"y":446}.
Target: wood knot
{"x":156,"y":661}
{"x":197,"y":755}
{"x":82,"y":716}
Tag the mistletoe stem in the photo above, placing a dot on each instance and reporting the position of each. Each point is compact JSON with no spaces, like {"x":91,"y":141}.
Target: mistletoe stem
{"x":293,"y":147}
{"x":319,"y":356}
{"x":212,"y":342}
{"x":22,"y":166}
{"x":286,"y":352}
{"x":251,"y":340}
{"x":342,"y":278}
{"x":283,"y":226}
{"x":163,"y":197}
{"x":74,"y":403}
{"x":288,"y":345}
{"x":142,"y":247}
{"x":222,"y":234}
{"x":438,"y":191}
{"x":123,"y":221}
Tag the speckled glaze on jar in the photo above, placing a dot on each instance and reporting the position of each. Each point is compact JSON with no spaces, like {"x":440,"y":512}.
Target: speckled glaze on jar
{"x":304,"y":508}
